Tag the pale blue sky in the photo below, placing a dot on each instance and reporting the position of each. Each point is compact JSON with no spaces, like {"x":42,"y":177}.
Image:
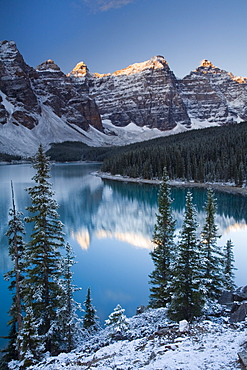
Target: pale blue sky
{"x":111,"y":34}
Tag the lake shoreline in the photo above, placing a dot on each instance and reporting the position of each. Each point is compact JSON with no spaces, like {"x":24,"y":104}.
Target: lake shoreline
{"x":224,"y":187}
{"x":227,"y":188}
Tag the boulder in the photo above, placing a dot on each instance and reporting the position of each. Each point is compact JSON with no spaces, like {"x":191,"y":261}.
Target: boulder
{"x":240,"y":314}
{"x":140,"y":309}
{"x":226,"y":298}
{"x":235,"y":306}
{"x":184,"y":326}
{"x":243,"y":358}
{"x":240,"y":294}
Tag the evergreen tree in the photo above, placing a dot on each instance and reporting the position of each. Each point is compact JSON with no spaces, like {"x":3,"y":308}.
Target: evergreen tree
{"x":228,"y":266}
{"x":163,"y":252}
{"x":70,"y":325}
{"x":117,"y":321}
{"x":187,"y":299}
{"x":90,"y":320}
{"x":10,"y":352}
{"x":29,"y":341}
{"x":16,"y":251}
{"x":187,"y":155}
{"x":42,"y":291}
{"x":211,"y":253}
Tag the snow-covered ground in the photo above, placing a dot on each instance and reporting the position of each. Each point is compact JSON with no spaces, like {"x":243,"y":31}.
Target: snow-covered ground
{"x":19,"y":140}
{"x":133,"y":133}
{"x":154,"y":343}
{"x":221,"y":186}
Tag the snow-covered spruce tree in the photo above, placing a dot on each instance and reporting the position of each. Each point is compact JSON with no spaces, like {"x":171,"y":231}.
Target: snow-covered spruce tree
{"x":117,"y":321}
{"x":211,"y":252}
{"x":228,"y":266}
{"x":31,"y":347}
{"x":90,"y":320}
{"x":42,"y":291}
{"x":163,"y":253}
{"x":70,"y":325}
{"x":187,"y":299}
{"x":15,"y":235}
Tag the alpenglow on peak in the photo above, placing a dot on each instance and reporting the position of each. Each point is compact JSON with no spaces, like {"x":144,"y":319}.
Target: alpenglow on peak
{"x":206,"y":63}
{"x":156,"y":62}
{"x":80,"y":70}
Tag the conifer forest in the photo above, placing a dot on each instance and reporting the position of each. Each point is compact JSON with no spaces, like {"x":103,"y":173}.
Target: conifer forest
{"x":212,"y":154}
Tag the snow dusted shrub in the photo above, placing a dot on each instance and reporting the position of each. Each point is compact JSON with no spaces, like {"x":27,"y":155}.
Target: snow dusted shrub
{"x":117,"y":322}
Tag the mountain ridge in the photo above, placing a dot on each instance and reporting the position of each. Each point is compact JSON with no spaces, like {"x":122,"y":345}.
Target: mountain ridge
{"x":142,"y":101}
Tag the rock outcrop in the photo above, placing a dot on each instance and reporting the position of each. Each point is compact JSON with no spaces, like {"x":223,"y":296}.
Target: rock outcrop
{"x":143,"y":93}
{"x":57,"y":91}
{"x":235,"y":303}
{"x":27,"y":90}
{"x":15,"y":83}
{"x":148,"y":94}
{"x":214,"y":95}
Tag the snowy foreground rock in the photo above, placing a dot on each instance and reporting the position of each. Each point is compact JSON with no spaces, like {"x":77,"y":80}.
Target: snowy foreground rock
{"x":155,"y":343}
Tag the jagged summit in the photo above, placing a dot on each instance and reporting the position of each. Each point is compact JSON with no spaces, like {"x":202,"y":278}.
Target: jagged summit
{"x":207,"y":66}
{"x":158,"y":58}
{"x":206,"y":63}
{"x":48,"y":65}
{"x":156,"y":62}
{"x":80,"y":70}
{"x":7,"y":48}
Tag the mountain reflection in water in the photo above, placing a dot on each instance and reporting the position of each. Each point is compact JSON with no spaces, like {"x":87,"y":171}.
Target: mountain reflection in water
{"x":110,"y":226}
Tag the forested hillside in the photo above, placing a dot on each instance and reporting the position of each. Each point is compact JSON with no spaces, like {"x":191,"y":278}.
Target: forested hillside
{"x":213,"y":154}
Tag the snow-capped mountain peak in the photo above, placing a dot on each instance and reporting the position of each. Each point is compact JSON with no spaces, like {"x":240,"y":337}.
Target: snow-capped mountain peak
{"x":136,"y":103}
{"x":155,"y":62}
{"x":80,"y":70}
{"x":207,"y":64}
{"x":48,"y":65}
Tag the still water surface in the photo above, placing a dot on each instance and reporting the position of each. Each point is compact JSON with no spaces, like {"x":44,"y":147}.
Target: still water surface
{"x":109,"y":225}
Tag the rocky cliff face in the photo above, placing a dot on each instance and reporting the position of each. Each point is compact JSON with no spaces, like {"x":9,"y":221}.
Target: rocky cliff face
{"x":57,"y":91}
{"x":214,"y":95}
{"x":144,"y":93}
{"x":15,"y":83}
{"x":142,"y":101}
{"x":26,"y":91}
{"x":148,"y":94}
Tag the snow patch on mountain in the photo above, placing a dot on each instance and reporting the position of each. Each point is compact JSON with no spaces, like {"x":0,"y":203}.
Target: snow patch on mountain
{"x":19,"y":140}
{"x":6,"y":103}
{"x":133,"y":133}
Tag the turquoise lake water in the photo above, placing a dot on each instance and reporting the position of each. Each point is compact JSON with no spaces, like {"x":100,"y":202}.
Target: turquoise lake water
{"x":109,"y":225}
